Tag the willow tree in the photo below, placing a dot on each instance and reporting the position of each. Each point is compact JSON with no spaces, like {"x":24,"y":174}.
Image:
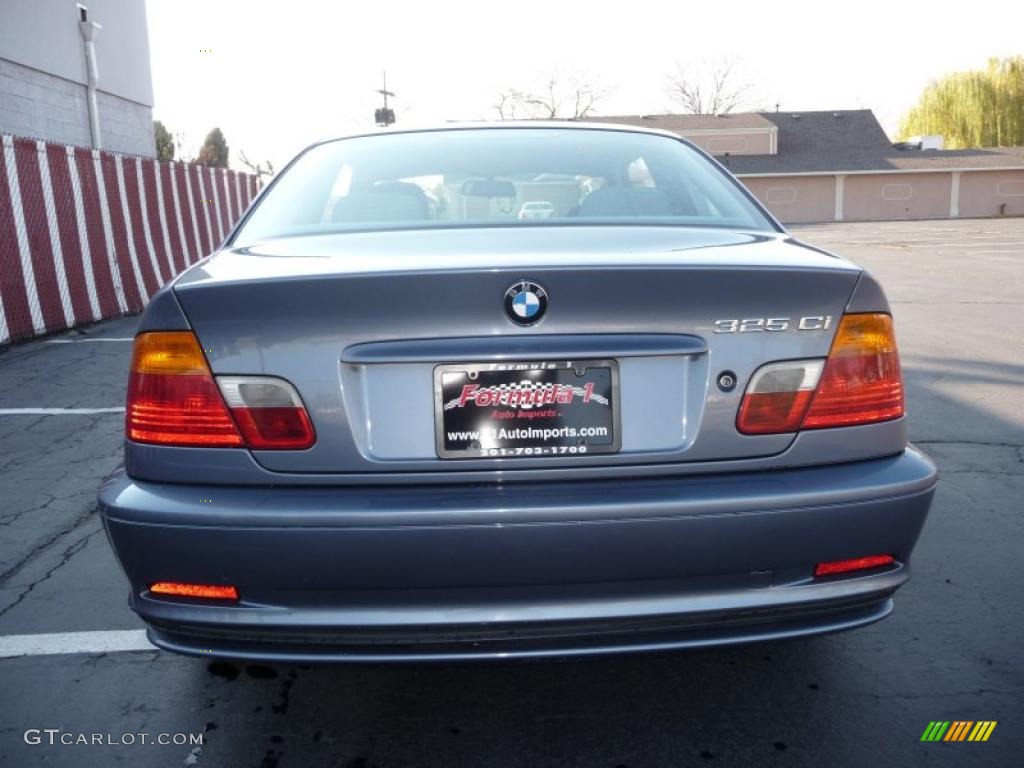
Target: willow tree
{"x":978,"y":108}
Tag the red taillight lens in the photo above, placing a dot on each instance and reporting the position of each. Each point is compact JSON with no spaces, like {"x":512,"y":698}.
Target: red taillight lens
{"x":854,"y":564}
{"x":270,"y":428}
{"x":862,"y":382}
{"x":207,"y":591}
{"x":859,"y":383}
{"x":268,"y":411}
{"x":172,"y":397}
{"x":777,"y":397}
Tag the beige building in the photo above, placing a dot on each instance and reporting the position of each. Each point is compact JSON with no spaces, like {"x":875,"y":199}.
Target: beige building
{"x":841,"y":166}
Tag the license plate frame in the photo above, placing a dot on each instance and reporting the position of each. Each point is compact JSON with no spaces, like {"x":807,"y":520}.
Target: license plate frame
{"x":585,"y":411}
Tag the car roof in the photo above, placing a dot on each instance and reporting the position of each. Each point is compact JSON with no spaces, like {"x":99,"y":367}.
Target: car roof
{"x":461,"y":125}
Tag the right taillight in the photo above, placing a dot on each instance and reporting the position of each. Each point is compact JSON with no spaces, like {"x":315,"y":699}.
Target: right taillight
{"x":777,"y":397}
{"x":861,"y":383}
{"x":174,"y":399}
{"x":858,"y":383}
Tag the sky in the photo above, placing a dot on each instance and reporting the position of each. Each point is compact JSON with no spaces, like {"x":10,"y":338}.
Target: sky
{"x":277,"y":76}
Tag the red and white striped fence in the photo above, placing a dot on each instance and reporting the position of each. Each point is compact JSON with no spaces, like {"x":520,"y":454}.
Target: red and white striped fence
{"x":86,"y":235}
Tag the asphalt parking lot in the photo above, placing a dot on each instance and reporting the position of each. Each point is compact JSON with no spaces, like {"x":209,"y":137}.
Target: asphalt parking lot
{"x":951,"y":651}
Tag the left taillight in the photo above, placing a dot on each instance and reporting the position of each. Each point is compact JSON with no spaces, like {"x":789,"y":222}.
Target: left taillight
{"x":174,"y":399}
{"x":268,"y":411}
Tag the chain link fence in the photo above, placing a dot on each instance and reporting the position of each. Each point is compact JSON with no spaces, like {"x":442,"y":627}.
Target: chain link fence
{"x":87,"y":235}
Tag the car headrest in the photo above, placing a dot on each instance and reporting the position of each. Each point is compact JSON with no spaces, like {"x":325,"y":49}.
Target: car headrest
{"x":386,"y":201}
{"x":626,"y":201}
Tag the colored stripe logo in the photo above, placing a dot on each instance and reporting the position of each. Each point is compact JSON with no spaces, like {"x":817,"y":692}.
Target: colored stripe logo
{"x":959,"y":730}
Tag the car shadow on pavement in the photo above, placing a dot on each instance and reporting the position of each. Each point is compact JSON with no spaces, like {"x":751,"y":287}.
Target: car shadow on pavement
{"x":620,"y":711}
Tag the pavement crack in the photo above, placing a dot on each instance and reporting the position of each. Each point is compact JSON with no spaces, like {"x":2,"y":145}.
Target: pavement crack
{"x":65,"y":558}
{"x":942,"y":694}
{"x":992,"y":472}
{"x":15,"y":516}
{"x":986,"y":302}
{"x":46,"y":544}
{"x":991,"y":443}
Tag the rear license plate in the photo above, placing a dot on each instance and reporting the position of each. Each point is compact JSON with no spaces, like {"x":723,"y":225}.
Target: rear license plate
{"x":551,"y":408}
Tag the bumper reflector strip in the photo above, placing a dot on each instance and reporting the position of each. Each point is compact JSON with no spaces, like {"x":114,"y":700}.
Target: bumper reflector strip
{"x":207,"y":591}
{"x":856,"y":564}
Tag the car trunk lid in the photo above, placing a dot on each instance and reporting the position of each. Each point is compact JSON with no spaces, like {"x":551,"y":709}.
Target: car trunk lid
{"x":359,"y":323}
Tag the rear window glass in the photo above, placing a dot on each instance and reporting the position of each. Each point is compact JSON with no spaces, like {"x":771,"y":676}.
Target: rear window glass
{"x":498,"y":176}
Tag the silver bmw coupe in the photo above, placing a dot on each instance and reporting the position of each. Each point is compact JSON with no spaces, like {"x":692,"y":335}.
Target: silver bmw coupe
{"x":393,"y":419}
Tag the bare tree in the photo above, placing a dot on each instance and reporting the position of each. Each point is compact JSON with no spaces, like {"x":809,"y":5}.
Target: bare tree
{"x":547,"y":101}
{"x":509,"y":103}
{"x":585,"y":97}
{"x":709,"y":87}
{"x":256,"y":168}
{"x":553,"y":100}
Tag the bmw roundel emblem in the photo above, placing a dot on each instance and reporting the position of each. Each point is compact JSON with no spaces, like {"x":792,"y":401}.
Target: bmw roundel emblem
{"x":525,"y":302}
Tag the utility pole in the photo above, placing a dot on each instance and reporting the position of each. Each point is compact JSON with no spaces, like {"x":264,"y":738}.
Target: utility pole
{"x":384,"y":116}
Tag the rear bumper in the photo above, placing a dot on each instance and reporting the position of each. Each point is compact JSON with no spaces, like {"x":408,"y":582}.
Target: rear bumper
{"x":497,"y":571}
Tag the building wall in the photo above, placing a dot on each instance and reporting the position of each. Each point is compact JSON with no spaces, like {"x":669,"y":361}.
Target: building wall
{"x":43,"y":73}
{"x":801,"y":199}
{"x":42,"y":106}
{"x":879,"y":197}
{"x":33,"y":103}
{"x":797,"y":199}
{"x":983,"y":194}
{"x":126,"y":126}
{"x":44,"y":35}
{"x":733,"y":142}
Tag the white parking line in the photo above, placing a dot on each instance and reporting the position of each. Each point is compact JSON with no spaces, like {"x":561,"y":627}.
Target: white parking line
{"x":59,"y":643}
{"x":56,"y":411}
{"x":79,"y":341}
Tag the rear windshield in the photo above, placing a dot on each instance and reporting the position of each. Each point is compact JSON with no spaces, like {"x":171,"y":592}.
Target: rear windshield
{"x":499,"y":176}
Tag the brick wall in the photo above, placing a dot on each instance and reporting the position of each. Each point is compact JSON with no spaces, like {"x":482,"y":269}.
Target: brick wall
{"x":125,"y":126}
{"x":86,"y":235}
{"x":43,"y":106}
